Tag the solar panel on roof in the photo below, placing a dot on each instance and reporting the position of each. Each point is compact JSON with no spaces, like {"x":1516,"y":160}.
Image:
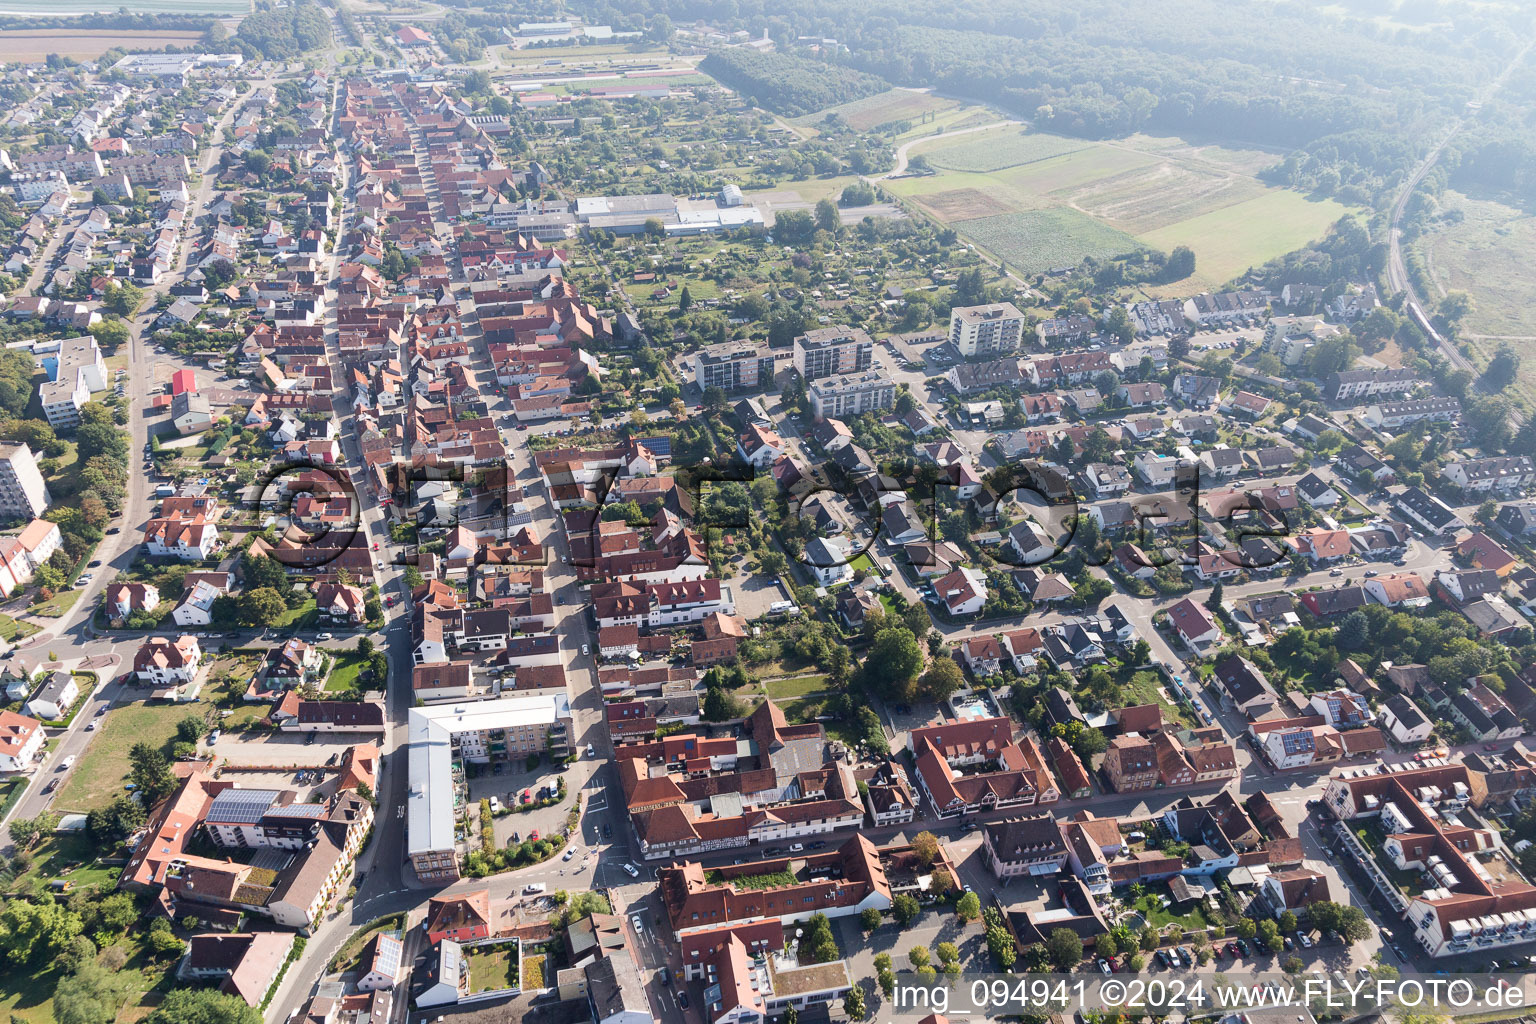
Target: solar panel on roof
{"x":243,"y":806}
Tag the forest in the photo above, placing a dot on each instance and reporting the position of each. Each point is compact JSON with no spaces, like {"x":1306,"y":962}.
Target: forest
{"x":285,"y":32}
{"x":786,"y":84}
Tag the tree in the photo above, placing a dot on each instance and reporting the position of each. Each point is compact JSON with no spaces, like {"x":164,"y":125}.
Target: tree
{"x":1287,"y":921}
{"x":684,"y":300}
{"x":827,"y":218}
{"x":364,"y":648}
{"x":925,"y":845}
{"x":110,"y":825}
{"x":869,"y":918}
{"x":968,"y":908}
{"x":1350,"y":922}
{"x":1064,"y":948}
{"x":940,"y":882}
{"x":894,"y":661}
{"x":190,"y":728}
{"x":150,"y":772}
{"x":163,"y":941}
{"x":1213,"y":602}
{"x":1501,"y":370}
{"x":263,"y":606}
{"x":941,"y":680}
{"x":1246,"y":928}
{"x":93,"y":995}
{"x":818,"y":943}
{"x":1181,"y":264}
{"x":1106,"y":946}
{"x":26,"y":831}
{"x":203,"y":1006}
{"x":1353,"y":631}
{"x":905,"y":909}
{"x":123,"y":299}
{"x":36,"y":931}
{"x":1148,"y":940}
{"x":917,"y":956}
{"x":1000,"y":944}
{"x":853,"y":1003}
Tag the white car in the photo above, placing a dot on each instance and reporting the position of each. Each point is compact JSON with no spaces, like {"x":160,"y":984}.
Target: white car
{"x":634,"y":872}
{"x":639,"y":924}
{"x":68,"y":763}
{"x":534,"y":887}
{"x":324,"y":636}
{"x":584,"y":650}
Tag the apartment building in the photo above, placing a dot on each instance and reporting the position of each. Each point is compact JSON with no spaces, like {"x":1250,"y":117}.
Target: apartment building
{"x":986,"y":330}
{"x":851,"y":394}
{"x":23,"y":492}
{"x":734,"y":368}
{"x":833,"y":351}
{"x":1396,"y":415}
{"x":75,"y":371}
{"x":1020,"y":847}
{"x":1503,"y":473}
{"x":1355,"y":385}
{"x":507,"y":729}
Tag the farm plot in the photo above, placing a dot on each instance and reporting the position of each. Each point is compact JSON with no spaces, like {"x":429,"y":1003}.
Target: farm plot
{"x":1036,"y":240}
{"x":882,"y":108}
{"x":33,"y":44}
{"x":1007,"y":147}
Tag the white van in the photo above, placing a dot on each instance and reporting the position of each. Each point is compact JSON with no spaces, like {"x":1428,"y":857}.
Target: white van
{"x":533,"y":888}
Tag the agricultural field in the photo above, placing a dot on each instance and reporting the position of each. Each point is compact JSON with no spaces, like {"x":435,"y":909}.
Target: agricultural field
{"x":33,"y":44}
{"x":872,"y":112}
{"x":200,"y":8}
{"x":1109,"y":197}
{"x":1037,"y":240}
{"x":988,"y":151}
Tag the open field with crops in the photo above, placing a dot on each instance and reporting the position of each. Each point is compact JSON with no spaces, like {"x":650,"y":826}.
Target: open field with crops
{"x":1037,"y":240}
{"x":33,"y":44}
{"x":884,"y":108}
{"x":67,"y":8}
{"x":1107,"y":197}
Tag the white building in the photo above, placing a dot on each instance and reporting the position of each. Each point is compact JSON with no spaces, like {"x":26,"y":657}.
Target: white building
{"x":21,"y":740}
{"x":851,"y":394}
{"x":1405,"y":722}
{"x":75,"y":370}
{"x":509,"y":728}
{"x":984,"y":330}
{"x":23,"y":492}
{"x":54,"y":698}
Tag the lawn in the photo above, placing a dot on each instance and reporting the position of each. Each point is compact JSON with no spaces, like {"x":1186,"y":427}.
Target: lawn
{"x":863,"y":561}
{"x":797,"y":686}
{"x":26,"y":992}
{"x":1159,"y":916}
{"x":103,"y":768}
{"x":56,"y":606}
{"x":12,"y":630}
{"x":346,"y":670}
{"x":301,"y":617}
{"x":1142,"y":688}
{"x":493,"y":969}
{"x":69,"y":856}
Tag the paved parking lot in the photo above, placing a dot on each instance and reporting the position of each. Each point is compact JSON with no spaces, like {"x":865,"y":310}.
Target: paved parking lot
{"x":283,"y":749}
{"x":755,"y":593}
{"x":508,"y":788}
{"x":323,"y":783}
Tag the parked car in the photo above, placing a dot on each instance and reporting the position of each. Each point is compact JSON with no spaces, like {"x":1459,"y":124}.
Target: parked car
{"x":682,"y":998}
{"x":629,"y":869}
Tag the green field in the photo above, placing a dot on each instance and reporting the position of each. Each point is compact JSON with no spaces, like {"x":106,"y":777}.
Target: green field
{"x":1105,"y":197}
{"x":1229,"y":241}
{"x":1040,"y":239}
{"x":986,"y":151}
{"x":796,"y":686}
{"x":881,"y":109}
{"x":34,"y":8}
{"x":103,"y":768}
{"x":1487,"y":255}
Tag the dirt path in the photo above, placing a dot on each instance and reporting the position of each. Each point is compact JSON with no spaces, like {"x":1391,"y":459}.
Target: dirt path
{"x":901,"y":150}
